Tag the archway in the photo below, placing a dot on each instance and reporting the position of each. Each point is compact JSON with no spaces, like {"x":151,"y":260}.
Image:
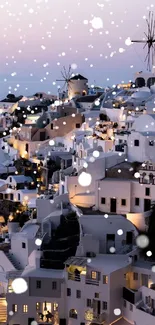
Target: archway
{"x":150,"y":82}
{"x":140,"y":82}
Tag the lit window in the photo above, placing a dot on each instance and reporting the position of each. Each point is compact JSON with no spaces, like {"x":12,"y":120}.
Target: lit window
{"x":14,"y":308}
{"x":93,"y":275}
{"x":105,"y":279}
{"x":25,"y":308}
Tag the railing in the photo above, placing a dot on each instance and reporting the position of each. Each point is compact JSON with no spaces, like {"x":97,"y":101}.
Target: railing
{"x":92,"y":282}
{"x":100,"y":318}
{"x":73,"y":277}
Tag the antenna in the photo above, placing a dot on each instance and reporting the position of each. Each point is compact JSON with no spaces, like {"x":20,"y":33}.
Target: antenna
{"x":149,"y":42}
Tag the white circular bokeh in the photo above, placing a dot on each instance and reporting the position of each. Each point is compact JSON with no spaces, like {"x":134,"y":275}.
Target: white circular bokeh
{"x":19,"y":285}
{"x":84,"y":179}
{"x":142,"y":241}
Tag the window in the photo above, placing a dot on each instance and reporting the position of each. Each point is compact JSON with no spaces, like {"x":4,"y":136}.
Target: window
{"x":135,"y":276}
{"x":93,"y":275}
{"x":10,"y":179}
{"x":25,"y":308}
{"x":104,"y":305}
{"x":11,"y":197}
{"x":146,"y":300}
{"x":136,"y":143}
{"x":97,"y":295}
{"x":137,"y":201}
{"x":77,"y":125}
{"x":38,"y":306}
{"x":123,"y":202}
{"x":23,"y":245}
{"x":102,"y":200}
{"x":38,"y":284}
{"x":68,"y":292}
{"x":131,"y":307}
{"x":88,"y":302}
{"x":105,"y":279}
{"x":124,"y":303}
{"x":18,"y":197}
{"x":151,"y":143}
{"x":51,"y":126}
{"x":14,"y":308}
{"x":147,"y":191}
{"x":78,"y":294}
{"x":54,"y":285}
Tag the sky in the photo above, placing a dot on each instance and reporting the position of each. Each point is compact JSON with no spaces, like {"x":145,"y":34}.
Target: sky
{"x":39,"y":37}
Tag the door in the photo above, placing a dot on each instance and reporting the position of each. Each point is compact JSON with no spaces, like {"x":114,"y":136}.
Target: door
{"x":30,"y":320}
{"x":27,"y":147}
{"x":129,"y":237}
{"x":110,"y":242}
{"x":42,"y":136}
{"x":98,"y":307}
{"x":113,"y":205}
{"x":147,"y":204}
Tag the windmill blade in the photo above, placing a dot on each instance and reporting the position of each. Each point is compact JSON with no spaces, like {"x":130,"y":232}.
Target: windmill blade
{"x":145,"y":45}
{"x":148,"y":54}
{"x":59,"y":79}
{"x":146,"y":35}
{"x":148,"y":25}
{"x":63,"y":75}
{"x":138,"y":41}
{"x":65,"y":72}
{"x":152,"y":23}
{"x":154,"y":30}
{"x":63,"y":86}
{"x":69,"y":70}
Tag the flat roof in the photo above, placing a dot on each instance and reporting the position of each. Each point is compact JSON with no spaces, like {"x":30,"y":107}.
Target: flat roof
{"x":33,"y":272}
{"x":107,"y":262}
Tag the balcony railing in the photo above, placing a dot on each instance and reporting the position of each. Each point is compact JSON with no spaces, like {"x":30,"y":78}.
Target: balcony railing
{"x":73,"y":277}
{"x":100,"y":318}
{"x":92,"y":282}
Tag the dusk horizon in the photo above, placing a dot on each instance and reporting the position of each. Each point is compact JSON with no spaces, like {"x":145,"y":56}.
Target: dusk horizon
{"x":37,"y":39}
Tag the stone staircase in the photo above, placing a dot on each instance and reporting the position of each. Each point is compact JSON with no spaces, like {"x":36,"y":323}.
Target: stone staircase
{"x":3,"y":311}
{"x":13,"y":261}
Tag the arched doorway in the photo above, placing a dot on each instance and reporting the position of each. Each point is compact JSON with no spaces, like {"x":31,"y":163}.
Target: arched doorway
{"x":140,"y":82}
{"x":150,"y":82}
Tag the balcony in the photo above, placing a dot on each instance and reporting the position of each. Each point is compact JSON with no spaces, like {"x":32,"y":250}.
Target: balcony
{"x":100,"y":319}
{"x":73,"y":277}
{"x":92,"y":281}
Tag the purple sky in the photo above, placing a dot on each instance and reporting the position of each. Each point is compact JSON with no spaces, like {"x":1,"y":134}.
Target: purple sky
{"x":35,"y":33}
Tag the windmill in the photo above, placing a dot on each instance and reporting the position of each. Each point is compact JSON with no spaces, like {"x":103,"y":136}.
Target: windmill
{"x":149,"y":42}
{"x":66,"y":76}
